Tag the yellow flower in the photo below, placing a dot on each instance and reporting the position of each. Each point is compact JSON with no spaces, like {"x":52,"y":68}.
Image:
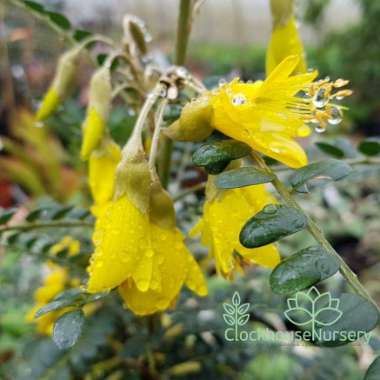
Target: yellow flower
{"x":61,"y":84}
{"x":137,"y":246}
{"x":102,"y":172}
{"x":267,"y":115}
{"x":224,"y":215}
{"x":285,"y":41}
{"x":97,"y":112}
{"x":49,"y":104}
{"x":53,"y":284}
{"x":67,"y":242}
{"x":149,"y":262}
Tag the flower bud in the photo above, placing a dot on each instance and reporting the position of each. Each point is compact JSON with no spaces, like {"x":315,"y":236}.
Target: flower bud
{"x":194,"y":122}
{"x":97,"y":111}
{"x":61,"y":84}
{"x":102,"y":170}
{"x":285,"y":39}
{"x":136,"y":33}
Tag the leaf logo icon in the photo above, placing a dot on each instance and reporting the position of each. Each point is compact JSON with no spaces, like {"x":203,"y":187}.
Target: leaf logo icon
{"x":313,"y":308}
{"x":236,"y":314}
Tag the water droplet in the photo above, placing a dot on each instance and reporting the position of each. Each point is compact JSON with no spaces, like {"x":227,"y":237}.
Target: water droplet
{"x":320,"y":129}
{"x":270,"y":209}
{"x":239,"y":99}
{"x":335,"y":116}
{"x":182,"y":72}
{"x":163,"y":92}
{"x":320,"y":99}
{"x":149,"y":252}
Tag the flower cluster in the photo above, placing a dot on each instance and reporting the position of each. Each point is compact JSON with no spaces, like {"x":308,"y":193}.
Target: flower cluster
{"x":56,"y":280}
{"x":138,"y":248}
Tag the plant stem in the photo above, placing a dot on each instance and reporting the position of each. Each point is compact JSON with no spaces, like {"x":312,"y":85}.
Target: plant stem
{"x":316,"y":232}
{"x":135,"y":141}
{"x":183,"y":31}
{"x":44,"y":18}
{"x":58,"y":224}
{"x":192,"y":189}
{"x":156,"y":133}
{"x":182,"y":39}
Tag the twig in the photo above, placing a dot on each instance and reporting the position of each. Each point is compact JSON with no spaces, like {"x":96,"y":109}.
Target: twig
{"x":192,"y":189}
{"x":316,"y":232}
{"x":58,"y":224}
{"x":182,"y":39}
{"x":156,"y":133}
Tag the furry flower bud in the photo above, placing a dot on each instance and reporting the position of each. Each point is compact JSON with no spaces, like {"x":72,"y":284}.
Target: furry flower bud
{"x":61,"y":84}
{"x":97,"y":111}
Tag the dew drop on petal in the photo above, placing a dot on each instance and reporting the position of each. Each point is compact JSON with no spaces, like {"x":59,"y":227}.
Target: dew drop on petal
{"x":319,"y":129}
{"x":270,"y":209}
{"x":239,"y":99}
{"x":149,"y":252}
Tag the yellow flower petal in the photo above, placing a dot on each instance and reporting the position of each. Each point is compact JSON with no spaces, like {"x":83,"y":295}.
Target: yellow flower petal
{"x":93,"y":129}
{"x":100,"y":98}
{"x":171,"y":261}
{"x":49,"y":104}
{"x":223,"y":218}
{"x":285,"y":41}
{"x":102,"y":172}
{"x":53,"y":284}
{"x":67,"y":242}
{"x":195,"y":280}
{"x":120,"y":237}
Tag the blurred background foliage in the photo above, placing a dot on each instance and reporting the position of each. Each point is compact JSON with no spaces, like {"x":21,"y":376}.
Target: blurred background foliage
{"x":40,"y":169}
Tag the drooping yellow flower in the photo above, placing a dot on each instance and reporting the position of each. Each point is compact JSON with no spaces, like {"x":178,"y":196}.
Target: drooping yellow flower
{"x":99,"y":104}
{"x":137,"y":246}
{"x":158,"y":279}
{"x":285,"y":39}
{"x":268,"y":115}
{"x":224,"y":215}
{"x":53,"y":284}
{"x":61,"y":84}
{"x":102,"y":172}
